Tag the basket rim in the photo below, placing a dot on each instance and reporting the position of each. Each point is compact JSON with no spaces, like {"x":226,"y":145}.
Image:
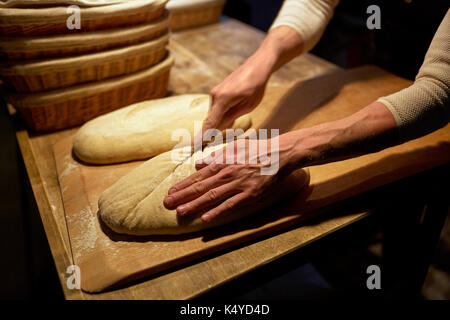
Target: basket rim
{"x":77,"y":62}
{"x":181,"y":5}
{"x":34,"y":3}
{"x":84,"y":90}
{"x":81,"y":39}
{"x":19,"y":16}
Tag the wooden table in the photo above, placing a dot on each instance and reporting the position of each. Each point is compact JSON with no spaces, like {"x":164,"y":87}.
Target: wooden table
{"x":233,"y":42}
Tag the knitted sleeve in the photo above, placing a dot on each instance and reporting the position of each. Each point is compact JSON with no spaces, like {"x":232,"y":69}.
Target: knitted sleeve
{"x":307,"y":17}
{"x":424,"y":106}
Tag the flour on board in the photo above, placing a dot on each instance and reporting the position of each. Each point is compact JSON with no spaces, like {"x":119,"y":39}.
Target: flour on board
{"x":88,"y":238}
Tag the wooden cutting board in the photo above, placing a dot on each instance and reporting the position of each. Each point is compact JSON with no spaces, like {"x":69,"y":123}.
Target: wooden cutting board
{"x":107,"y":259}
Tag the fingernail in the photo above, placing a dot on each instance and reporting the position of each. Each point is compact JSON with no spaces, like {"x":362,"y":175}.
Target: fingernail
{"x":171,"y":190}
{"x":181,"y":210}
{"x":205,"y":218}
{"x":168,"y":200}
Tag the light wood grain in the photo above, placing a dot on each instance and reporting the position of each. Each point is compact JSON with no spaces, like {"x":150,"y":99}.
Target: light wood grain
{"x":107,"y":259}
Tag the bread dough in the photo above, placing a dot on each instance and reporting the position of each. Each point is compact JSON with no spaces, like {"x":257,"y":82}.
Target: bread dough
{"x":134,"y":204}
{"x":142,"y":130}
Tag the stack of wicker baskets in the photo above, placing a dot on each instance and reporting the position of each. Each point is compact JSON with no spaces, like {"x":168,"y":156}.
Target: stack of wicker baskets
{"x":58,"y":78}
{"x":194,"y":13}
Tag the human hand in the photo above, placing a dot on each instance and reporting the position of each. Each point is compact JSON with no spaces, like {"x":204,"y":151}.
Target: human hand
{"x":221,"y":185}
{"x":236,"y":95}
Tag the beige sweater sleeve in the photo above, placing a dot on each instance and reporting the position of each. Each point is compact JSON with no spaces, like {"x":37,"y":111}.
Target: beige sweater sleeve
{"x":307,"y":17}
{"x":424,"y":106}
{"x":419,"y":109}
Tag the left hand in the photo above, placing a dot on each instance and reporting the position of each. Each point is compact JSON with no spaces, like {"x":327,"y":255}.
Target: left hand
{"x":217,"y":187}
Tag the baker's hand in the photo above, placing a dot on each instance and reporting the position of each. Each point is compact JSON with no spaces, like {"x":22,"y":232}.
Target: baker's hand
{"x":237,"y":95}
{"x":217,"y":187}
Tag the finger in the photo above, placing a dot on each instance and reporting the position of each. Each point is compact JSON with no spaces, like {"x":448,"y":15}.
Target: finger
{"x":233,"y":113}
{"x":198,"y":141}
{"x":219,"y":107}
{"x":207,"y":200}
{"x":214,"y":116}
{"x":212,"y":158}
{"x":193,"y":186}
{"x":196,"y":190}
{"x":193,"y":178}
{"x":225,"y":207}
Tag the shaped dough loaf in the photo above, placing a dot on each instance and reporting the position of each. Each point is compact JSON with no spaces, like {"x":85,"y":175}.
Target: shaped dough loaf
{"x":142,"y":130}
{"x":134,"y":204}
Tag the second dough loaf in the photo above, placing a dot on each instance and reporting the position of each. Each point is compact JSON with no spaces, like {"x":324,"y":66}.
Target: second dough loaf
{"x":142,"y":130}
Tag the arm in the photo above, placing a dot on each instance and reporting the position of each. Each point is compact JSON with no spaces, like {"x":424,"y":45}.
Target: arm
{"x":220,"y":187}
{"x":369,"y":130}
{"x":425,"y":106}
{"x":375,"y":127}
{"x":299,"y":25}
{"x":241,"y":91}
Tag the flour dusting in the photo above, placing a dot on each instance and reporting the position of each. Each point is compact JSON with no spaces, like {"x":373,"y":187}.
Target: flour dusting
{"x":88,"y":237}
{"x":69,"y":168}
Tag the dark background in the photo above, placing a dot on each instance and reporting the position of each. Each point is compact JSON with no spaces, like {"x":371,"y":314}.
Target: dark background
{"x":26,"y":267}
{"x":407,"y":28}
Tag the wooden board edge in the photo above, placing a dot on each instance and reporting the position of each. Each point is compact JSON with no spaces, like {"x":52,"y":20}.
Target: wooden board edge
{"x":59,"y":253}
{"x":359,"y":217}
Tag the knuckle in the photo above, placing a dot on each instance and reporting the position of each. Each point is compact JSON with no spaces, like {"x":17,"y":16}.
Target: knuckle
{"x":208,"y":122}
{"x":199,"y":188}
{"x":212,"y":195}
{"x":215,"y":89}
{"x":214,"y":93}
{"x":253,"y":192}
{"x":229,"y":204}
{"x":214,"y":168}
{"x":197,"y":179}
{"x":227,"y":173}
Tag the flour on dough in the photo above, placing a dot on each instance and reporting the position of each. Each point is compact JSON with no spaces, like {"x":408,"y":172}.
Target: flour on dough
{"x":134,"y":204}
{"x":142,"y":130}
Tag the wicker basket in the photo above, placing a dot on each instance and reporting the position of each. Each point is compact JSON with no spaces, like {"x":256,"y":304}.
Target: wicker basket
{"x":53,"y":20}
{"x":14,"y":48}
{"x":188,"y":14}
{"x":53,"y":74}
{"x":46,"y":3}
{"x":73,"y":106}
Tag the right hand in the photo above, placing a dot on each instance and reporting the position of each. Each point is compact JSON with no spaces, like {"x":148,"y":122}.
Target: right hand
{"x":237,"y":95}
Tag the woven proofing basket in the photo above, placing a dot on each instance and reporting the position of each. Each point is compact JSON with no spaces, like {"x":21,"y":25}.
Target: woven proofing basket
{"x":194,"y":14}
{"x":53,"y":20}
{"x":73,"y":106}
{"x":16,"y":48}
{"x":53,"y":74}
{"x":42,"y":3}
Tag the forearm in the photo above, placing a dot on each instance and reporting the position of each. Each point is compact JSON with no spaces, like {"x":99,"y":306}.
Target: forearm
{"x":280,"y":46}
{"x":297,"y":28}
{"x":369,"y":130}
{"x":425,"y":106}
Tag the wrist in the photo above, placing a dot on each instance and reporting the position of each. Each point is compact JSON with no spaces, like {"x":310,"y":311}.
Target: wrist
{"x":307,"y":147}
{"x":263,"y":61}
{"x":292,"y":157}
